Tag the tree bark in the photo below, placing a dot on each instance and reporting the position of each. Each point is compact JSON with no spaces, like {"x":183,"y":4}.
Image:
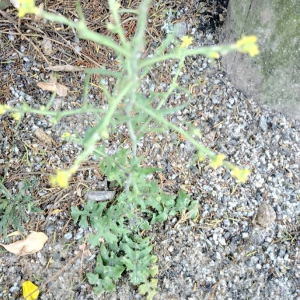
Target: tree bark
{"x":273,"y":77}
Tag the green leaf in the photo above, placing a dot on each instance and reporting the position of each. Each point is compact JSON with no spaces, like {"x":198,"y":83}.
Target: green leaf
{"x":182,"y":201}
{"x":149,"y":288}
{"x":91,"y":212}
{"x":76,"y":214}
{"x":102,"y":285}
{"x":3,"y":203}
{"x":153,"y":271}
{"x":108,"y":284}
{"x":93,"y":278}
{"x":193,"y":209}
{"x":159,"y":218}
{"x":109,"y":268}
{"x":138,"y":262}
{"x":147,"y":171}
{"x":113,"y":166}
{"x":108,"y":236}
{"x":91,"y":137}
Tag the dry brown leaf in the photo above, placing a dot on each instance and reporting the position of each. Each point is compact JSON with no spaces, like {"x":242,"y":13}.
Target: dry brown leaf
{"x":60,"y":89}
{"x":47,"y":46}
{"x":84,"y":249}
{"x":15,"y":233}
{"x":43,"y":136}
{"x":34,"y":242}
{"x":52,"y":78}
{"x":65,"y":68}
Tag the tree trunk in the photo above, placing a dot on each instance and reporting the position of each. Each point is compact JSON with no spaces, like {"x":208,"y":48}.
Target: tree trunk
{"x":273,"y":77}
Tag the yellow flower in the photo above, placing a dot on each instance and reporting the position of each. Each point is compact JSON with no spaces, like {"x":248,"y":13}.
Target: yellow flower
{"x":217,"y":161}
{"x":66,"y":135}
{"x":27,"y":7}
{"x":61,"y":178}
{"x":3,"y":109}
{"x":30,"y":290}
{"x":240,"y":174}
{"x":246,"y":40}
{"x":214,"y":54}
{"x":186,"y":41}
{"x":248,"y":44}
{"x":253,"y":50}
{"x":17,"y":116}
{"x":201,"y":156}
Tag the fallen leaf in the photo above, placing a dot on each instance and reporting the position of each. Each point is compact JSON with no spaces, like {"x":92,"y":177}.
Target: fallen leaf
{"x":52,"y":78}
{"x":43,"y":136}
{"x":60,"y":89}
{"x":34,"y":242}
{"x":47,"y":46}
{"x":30,"y":290}
{"x":84,"y":250}
{"x":15,"y":233}
{"x":65,"y":68}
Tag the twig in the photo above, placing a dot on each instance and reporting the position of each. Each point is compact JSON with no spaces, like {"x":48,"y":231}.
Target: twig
{"x":33,"y":45}
{"x":5,"y":15}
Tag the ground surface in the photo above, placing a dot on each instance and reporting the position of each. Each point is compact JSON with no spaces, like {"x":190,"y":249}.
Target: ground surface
{"x":233,"y":250}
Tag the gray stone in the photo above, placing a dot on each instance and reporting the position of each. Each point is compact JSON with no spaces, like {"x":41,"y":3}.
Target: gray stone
{"x":265,"y":215}
{"x":209,"y":37}
{"x":78,"y":235}
{"x":180,"y":29}
{"x":68,"y":236}
{"x":100,"y":195}
{"x":271,"y":77}
{"x":263,"y":123}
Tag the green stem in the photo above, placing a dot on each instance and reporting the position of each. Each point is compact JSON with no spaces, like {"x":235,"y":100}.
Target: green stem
{"x":113,"y":6}
{"x":49,"y":104}
{"x":166,"y":95}
{"x":103,"y":72}
{"x":179,"y":52}
{"x":85,"y":90}
{"x":132,"y":66}
{"x":100,"y":130}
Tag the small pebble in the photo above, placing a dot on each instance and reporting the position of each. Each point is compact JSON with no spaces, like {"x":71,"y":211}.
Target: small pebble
{"x":265,"y":215}
{"x":68,"y":236}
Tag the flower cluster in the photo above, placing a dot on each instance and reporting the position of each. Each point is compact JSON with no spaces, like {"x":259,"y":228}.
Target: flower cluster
{"x":186,"y":41}
{"x":213,"y":54}
{"x":17,"y":116}
{"x":240,"y":174}
{"x":3,"y":109}
{"x":217,"y":161}
{"x":248,"y":44}
{"x":66,"y":135}
{"x":62,"y":177}
{"x":27,"y":7}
